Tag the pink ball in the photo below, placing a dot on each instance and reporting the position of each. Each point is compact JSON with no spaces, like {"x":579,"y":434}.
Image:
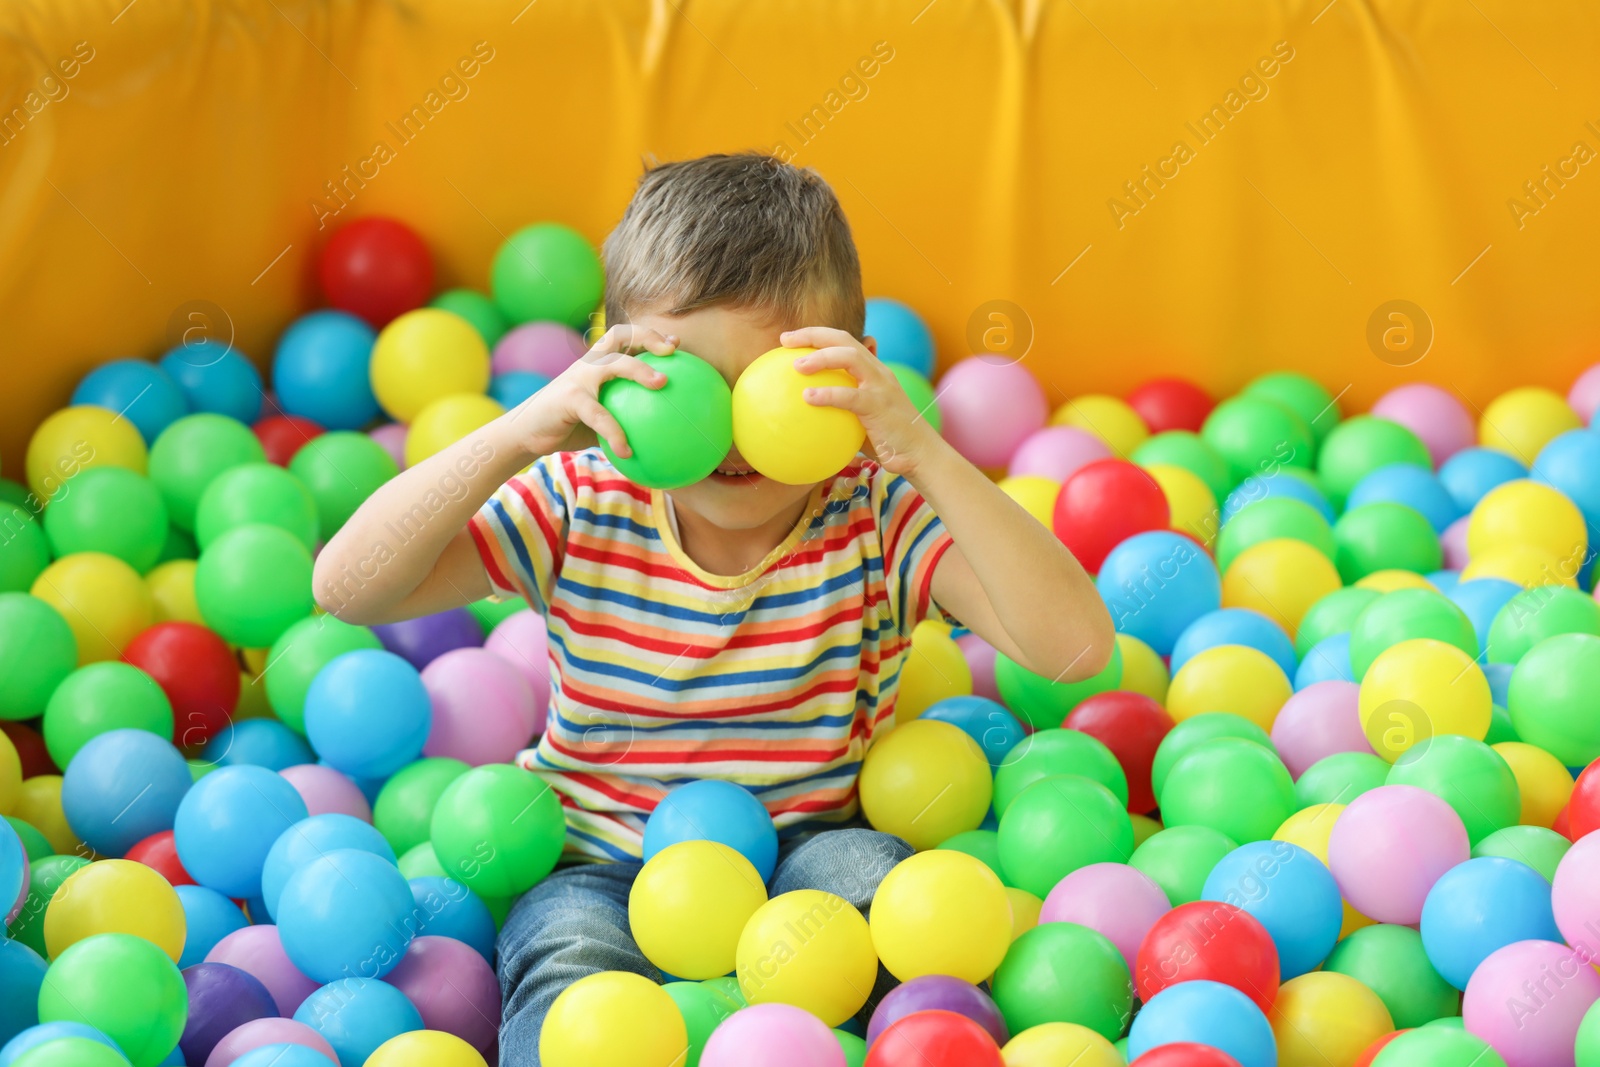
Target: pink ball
{"x":1436,"y":416}
{"x":989,"y":408}
{"x":326,"y":791}
{"x":772,"y":1035}
{"x":392,"y":437}
{"x":260,"y":1032}
{"x":1575,"y":894}
{"x":522,"y":641}
{"x":1454,"y":543}
{"x":453,"y":987}
{"x":546,"y":348}
{"x":1318,"y":721}
{"x":1056,"y":452}
{"x":1390,"y":845}
{"x":979,"y":655}
{"x":1527,"y":1000}
{"x":1114,"y":899}
{"x":257,"y":950}
{"x":482,"y":708}
{"x":1584,"y":396}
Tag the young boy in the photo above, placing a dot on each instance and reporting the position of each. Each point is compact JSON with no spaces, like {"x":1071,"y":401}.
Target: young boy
{"x":738,"y":628}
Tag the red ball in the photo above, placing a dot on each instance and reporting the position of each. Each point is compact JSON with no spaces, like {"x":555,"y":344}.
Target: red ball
{"x":1131,"y":725}
{"x":281,"y":436}
{"x":1562,"y":823}
{"x":1207,"y":939}
{"x":1171,"y":404}
{"x":1103,"y":504}
{"x":30,"y":749}
{"x":1370,"y":1053}
{"x":197,"y":671}
{"x":1185,"y":1054}
{"x":376,"y":268}
{"x":159,"y":854}
{"x":1583,"y":807}
{"x":934,"y":1039}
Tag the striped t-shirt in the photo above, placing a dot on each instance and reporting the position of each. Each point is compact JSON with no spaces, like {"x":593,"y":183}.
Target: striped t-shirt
{"x":662,"y":673}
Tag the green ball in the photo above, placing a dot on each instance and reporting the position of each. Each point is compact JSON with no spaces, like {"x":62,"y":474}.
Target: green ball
{"x":1269,"y":519}
{"x":24,"y":550}
{"x":1452,"y":1022}
{"x":256,"y":493}
{"x":855,"y":1049}
{"x":1390,"y":961}
{"x":1064,"y":973}
{"x":253,"y":583}
{"x":981,"y":845}
{"x":199,"y":768}
{"x":1361,"y":445}
{"x":191,"y":452}
{"x":1233,"y":785}
{"x":123,"y":986}
{"x":101,"y":697}
{"x":678,"y":433}
{"x":71,"y":1052}
{"x":1384,"y":536}
{"x":1181,"y":858}
{"x":1191,"y":733}
{"x":484,"y":315}
{"x":547,"y":272}
{"x":110,"y":510}
{"x":44,"y":878}
{"x":37,"y":651}
{"x":703,"y":1010}
{"x":498,"y":830}
{"x":340,"y":470}
{"x":1048,"y":753}
{"x":1058,"y":825}
{"x":1538,"y":613}
{"x":33,"y":842}
{"x":1501,"y":728}
{"x":1468,"y":775}
{"x":1551,"y":698}
{"x":179,"y":544}
{"x":490,"y":613}
{"x":405,"y":804}
{"x":920,"y":391}
{"x":1183,"y":448}
{"x":1042,"y":703}
{"x":420,"y":861}
{"x":302,"y":651}
{"x":1302,"y":395}
{"x":1587,"y":1041}
{"x":1340,"y":778}
{"x":1538,"y":846}
{"x":728,"y":986}
{"x":1335,"y":613}
{"x":1257,"y":436}
{"x":1435,"y":1046}
{"x":1403,"y":615}
{"x":16,"y":493}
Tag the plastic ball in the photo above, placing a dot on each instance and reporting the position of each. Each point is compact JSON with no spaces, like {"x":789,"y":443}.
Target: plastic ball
{"x":340,"y":470}
{"x":1536,"y":614}
{"x":405,"y":805}
{"x":705,"y":1008}
{"x":391,"y":440}
{"x":171,"y":587}
{"x":1520,"y":422}
{"x":1055,"y":453}
{"x":1363,"y":444}
{"x":79,"y":438}
{"x":1416,"y":487}
{"x":208,"y":917}
{"x":221,"y":999}
{"x":228,"y":822}
{"x":919,"y":390}
{"x":447,"y":420}
{"x":1404,"y":615}
{"x":1392,"y":962}
{"x":1469,"y":775}
{"x":1575,"y":910}
{"x":1343,"y":775}
{"x":99,"y":698}
{"x":1108,"y":418}
{"x":37,"y":652}
{"x":422,"y":640}
{"x":1052,"y":752}
{"x":1278,"y":483}
{"x":580,"y":1029}
{"x":829,"y":973}
{"x":1528,"y":514}
{"x":1103,"y":504}
{"x":265,"y":1038}
{"x":1324,"y":1017}
{"x":73,"y":1051}
{"x":774,"y":1035}
{"x":1422,"y":688}
{"x":1440,"y":421}
{"x":1528,"y":999}
{"x":689,"y":904}
{"x":1231,"y":677}
{"x":1549,"y":687}
{"x":1171,"y":404}
{"x":936,"y":1039}
{"x":102,"y":599}
{"x":1156,"y":585}
{"x":425,"y":1048}
{"x":1234,"y":626}
{"x":1063,"y":972}
{"x":544,"y":348}
{"x":1132,"y":726}
{"x":938,"y":992}
{"x":1207,"y":1013}
{"x":160,"y":853}
{"x":309,"y":839}
{"x":779,"y":433}
{"x":477,"y":309}
{"x":282,"y":436}
{"x":253,"y":583}
{"x":1316,"y":722}
{"x":1036,"y":495}
{"x":1390,"y":845}
{"x":44,"y":878}
{"x":357,"y":1015}
{"x":711,"y":810}
{"x":514,"y":814}
{"x":215,"y":378}
{"x":58,"y":1036}
{"x":512,"y":388}
{"x":1437,"y":1046}
{"x":1282,"y":578}
{"x":482,"y":709}
{"x":986,"y":721}
{"x":1143,"y":670}
{"x":1189,"y":734}
{"x":678,"y":433}
{"x":1471,"y":474}
{"x":342,"y":912}
{"x":1059,"y":824}
{"x":376,"y":268}
{"x":1256,"y":435}
{"x":1288,"y":890}
{"x":1268,"y":519}
{"x":121,"y":786}
{"x":1329,"y":660}
{"x":902,"y":337}
{"x":935,"y":669}
{"x":368,"y":713}
{"x":197,"y":672}
{"x":300,"y":654}
{"x":1186,"y":449}
{"x":925,"y":781}
{"x":424,"y":355}
{"x":546,"y":271}
{"x":1304,"y":396}
{"x":125,"y":987}
{"x":110,"y":510}
{"x":25,"y":552}
{"x":1114,"y":899}
{"x":940,"y":913}
{"x":973,"y":392}
{"x":259,"y":950}
{"x":321,"y":370}
{"x":1479,"y":907}
{"x":1537,"y":846}
{"x":1178,"y":860}
{"x":1233,"y":785}
{"x":1333,"y":614}
{"x":140,"y":392}
{"x":446,"y":908}
{"x":1384,"y":536}
{"x":520,"y":638}
{"x":256,"y":493}
{"x":1185,"y":1054}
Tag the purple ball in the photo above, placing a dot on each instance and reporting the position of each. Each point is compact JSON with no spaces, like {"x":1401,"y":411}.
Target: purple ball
{"x":259,"y":951}
{"x":222,"y":998}
{"x":453,"y":987}
{"x":938,"y":992}
{"x":546,"y":348}
{"x":393,"y":439}
{"x":421,"y":641}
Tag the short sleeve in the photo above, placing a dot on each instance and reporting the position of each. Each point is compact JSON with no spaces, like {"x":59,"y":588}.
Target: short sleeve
{"x":521,"y":532}
{"x":913,"y":540}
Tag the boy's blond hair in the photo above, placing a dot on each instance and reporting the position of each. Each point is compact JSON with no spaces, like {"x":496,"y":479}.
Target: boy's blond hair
{"x":744,"y":230}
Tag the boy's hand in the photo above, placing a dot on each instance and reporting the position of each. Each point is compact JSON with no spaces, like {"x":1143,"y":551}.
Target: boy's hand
{"x":899,"y":434}
{"x":566,"y":415}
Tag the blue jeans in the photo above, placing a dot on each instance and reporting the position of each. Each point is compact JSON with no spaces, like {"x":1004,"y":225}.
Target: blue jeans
{"x":575,"y":923}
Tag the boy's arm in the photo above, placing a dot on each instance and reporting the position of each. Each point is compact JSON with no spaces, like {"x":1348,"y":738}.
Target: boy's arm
{"x":407,"y":550}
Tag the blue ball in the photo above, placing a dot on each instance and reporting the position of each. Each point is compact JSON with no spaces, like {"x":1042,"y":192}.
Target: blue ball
{"x":515,"y":386}
{"x":987,"y":722}
{"x":1206,"y":1013}
{"x":1472,"y":472}
{"x":283,"y":1056}
{"x":1290,"y":892}
{"x":123,"y":786}
{"x":710,"y":810}
{"x":1445,"y":580}
{"x":259,"y":743}
{"x":217,"y":379}
{"x":901,"y":334}
{"x":313,"y":837}
{"x":228,"y":822}
{"x":1415,"y":487}
{"x":1499,"y":676}
{"x":1481,"y":600}
{"x":34,"y":1036}
{"x":1571,"y":463}
{"x":142,"y":392}
{"x":1235,"y":626}
{"x":174,"y":1059}
{"x":1156,"y":584}
{"x":1327,"y":661}
{"x":1260,"y":487}
{"x":1479,"y":907}
{"x":368,"y":713}
{"x":343,"y":915}
{"x":446,"y":908}
{"x":322,"y":370}
{"x":356,"y":1015}
{"x":21,"y":975}
{"x":13,"y":868}
{"x":210,"y":917}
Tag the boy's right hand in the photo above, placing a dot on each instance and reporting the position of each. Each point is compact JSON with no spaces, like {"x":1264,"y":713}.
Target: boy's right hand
{"x":566,"y":415}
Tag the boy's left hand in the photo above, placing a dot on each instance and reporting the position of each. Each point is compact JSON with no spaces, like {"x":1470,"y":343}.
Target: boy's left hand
{"x":899,"y":434}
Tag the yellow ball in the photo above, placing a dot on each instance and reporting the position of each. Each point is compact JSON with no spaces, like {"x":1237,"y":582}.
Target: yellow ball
{"x":1521,"y":422}
{"x":810,"y":949}
{"x":1326,"y":1019}
{"x":10,"y":776}
{"x":779,"y":433}
{"x":1025,"y":908}
{"x":77,"y":438}
{"x":614,"y":1019}
{"x":1390,"y":580}
{"x":104,"y":601}
{"x":1525,"y":565}
{"x":39,"y":805}
{"x":171,"y":588}
{"x":115,"y":897}
{"x":425,"y":1048}
{"x":1060,"y":1045}
{"x":925,"y":781}
{"x":1544,"y":782}
{"x":1310,"y":828}
{"x":1281,"y":579}
{"x":1036,"y":493}
{"x":1193,"y":505}
{"x":1107,"y":417}
{"x":1234,"y":678}
{"x":941,"y":912}
{"x":446,"y":421}
{"x":1528,"y":514}
{"x":934,"y":669}
{"x":1143,"y":669}
{"x":424,"y":355}
{"x":1144,"y":828}
{"x":690,"y":903}
{"x":1419,"y":688}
